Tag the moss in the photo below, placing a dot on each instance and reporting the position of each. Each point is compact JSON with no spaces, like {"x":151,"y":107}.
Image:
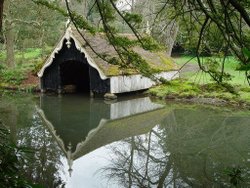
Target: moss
{"x":165,"y":63}
{"x":175,"y":88}
{"x":113,"y":70}
{"x":184,"y":89}
{"x":245,"y":89}
{"x":245,"y":96}
{"x":168,"y":62}
{"x":151,"y":44}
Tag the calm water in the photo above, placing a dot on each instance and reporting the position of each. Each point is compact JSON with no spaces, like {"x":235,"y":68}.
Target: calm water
{"x":133,"y":142}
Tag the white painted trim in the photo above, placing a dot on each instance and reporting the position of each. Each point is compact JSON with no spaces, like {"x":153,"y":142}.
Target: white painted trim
{"x":68,"y":35}
{"x":122,"y":84}
{"x":132,"y":107}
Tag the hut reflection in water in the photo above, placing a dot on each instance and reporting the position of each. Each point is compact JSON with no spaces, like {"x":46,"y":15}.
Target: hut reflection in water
{"x":152,"y":146}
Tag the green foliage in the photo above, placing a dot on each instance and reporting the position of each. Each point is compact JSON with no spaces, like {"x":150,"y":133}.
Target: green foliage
{"x":246,"y":53}
{"x":82,"y":23}
{"x":51,"y":5}
{"x":11,"y":158}
{"x":2,"y":67}
{"x":181,"y":88}
{"x":123,"y":41}
{"x":220,"y":88}
{"x":28,"y":61}
{"x":187,"y":39}
{"x":37,"y":65}
{"x":114,"y":61}
{"x":79,"y":20}
{"x":107,"y":12}
{"x":12,"y":76}
{"x":190,"y":70}
{"x":135,"y":60}
{"x":132,"y":18}
{"x":151,"y":44}
{"x":28,"y":53}
{"x":33,"y":29}
{"x":214,"y":67}
{"x":245,"y":66}
{"x":236,"y":175}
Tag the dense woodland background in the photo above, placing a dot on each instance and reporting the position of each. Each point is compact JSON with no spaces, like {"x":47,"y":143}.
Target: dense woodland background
{"x":220,"y":29}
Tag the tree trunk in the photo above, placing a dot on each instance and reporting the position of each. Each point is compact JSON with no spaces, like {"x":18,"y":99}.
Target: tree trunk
{"x":173,"y":31}
{"x":9,"y":37}
{"x":132,"y":6}
{"x":1,"y":15}
{"x":1,"y":21}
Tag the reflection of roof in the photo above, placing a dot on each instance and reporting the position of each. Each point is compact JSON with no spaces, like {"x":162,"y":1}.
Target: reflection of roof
{"x":126,"y":118}
{"x":114,"y":130}
{"x":109,"y":131}
{"x":157,"y":60}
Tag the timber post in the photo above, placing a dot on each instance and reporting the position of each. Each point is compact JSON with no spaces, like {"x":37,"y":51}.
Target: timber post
{"x":59,"y":88}
{"x":91,"y":94}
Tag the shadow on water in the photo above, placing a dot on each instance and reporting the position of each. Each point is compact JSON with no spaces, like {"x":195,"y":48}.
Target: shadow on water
{"x":144,"y":144}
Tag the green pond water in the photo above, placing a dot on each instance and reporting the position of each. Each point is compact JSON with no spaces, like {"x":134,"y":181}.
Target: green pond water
{"x":132,"y":142}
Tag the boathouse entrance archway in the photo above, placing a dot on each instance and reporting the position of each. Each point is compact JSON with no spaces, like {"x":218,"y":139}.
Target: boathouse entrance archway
{"x":75,"y":76}
{"x":69,"y":71}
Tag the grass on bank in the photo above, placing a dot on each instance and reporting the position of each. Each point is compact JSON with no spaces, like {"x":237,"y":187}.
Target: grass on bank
{"x":197,"y":76}
{"x":184,"y":89}
{"x":196,"y":84}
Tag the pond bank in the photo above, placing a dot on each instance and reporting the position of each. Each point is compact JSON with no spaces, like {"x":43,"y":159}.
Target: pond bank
{"x":211,"y":94}
{"x":178,"y":90}
{"x":29,"y":84}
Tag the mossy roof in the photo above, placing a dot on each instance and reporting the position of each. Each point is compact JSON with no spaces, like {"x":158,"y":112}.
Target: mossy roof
{"x":158,"y":60}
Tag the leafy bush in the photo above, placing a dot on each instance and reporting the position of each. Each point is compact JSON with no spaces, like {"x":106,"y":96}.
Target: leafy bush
{"x":10,"y":161}
{"x":12,"y":76}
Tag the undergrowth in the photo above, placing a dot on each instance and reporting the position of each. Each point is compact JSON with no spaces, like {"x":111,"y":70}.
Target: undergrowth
{"x":181,"y":88}
{"x":28,"y":61}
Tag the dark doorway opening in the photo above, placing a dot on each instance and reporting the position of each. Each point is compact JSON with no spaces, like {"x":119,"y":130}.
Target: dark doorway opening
{"x":75,"y":74}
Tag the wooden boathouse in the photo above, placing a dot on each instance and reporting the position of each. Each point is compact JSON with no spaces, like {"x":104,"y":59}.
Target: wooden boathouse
{"x":73,"y":63}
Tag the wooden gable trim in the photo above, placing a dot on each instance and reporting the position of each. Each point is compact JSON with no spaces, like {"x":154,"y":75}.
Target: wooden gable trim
{"x":69,"y":35}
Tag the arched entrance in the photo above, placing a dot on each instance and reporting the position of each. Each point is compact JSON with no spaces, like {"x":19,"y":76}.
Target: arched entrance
{"x":75,"y":74}
{"x":70,"y":67}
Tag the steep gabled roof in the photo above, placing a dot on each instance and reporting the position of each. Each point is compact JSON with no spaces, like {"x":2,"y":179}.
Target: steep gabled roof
{"x":157,"y":60}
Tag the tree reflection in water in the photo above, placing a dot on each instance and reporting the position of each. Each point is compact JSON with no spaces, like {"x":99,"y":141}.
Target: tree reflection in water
{"x":185,"y":150}
{"x":44,"y":161}
{"x":40,"y":164}
{"x":142,"y":161}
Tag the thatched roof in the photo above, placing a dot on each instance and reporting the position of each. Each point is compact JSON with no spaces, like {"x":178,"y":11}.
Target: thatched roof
{"x":157,"y":60}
